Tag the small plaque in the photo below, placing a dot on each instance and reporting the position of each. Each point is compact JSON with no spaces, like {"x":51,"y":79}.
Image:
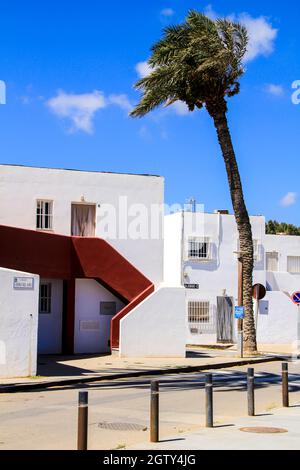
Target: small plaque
{"x":191,"y":286}
{"x":89,"y":325}
{"x":23,"y":283}
{"x":108,"y":308}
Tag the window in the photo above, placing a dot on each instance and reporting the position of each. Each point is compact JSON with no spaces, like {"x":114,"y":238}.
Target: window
{"x":44,"y":215}
{"x":293,"y":264}
{"x":272,"y":261}
{"x":199,"y":248}
{"x":45,"y":297}
{"x":198,"y":312}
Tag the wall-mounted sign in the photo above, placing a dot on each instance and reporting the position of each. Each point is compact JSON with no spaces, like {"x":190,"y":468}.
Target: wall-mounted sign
{"x":239,"y":313}
{"x":296,"y":298}
{"x":23,"y":283}
{"x":108,"y":308}
{"x":191,"y":286}
{"x":89,"y":325}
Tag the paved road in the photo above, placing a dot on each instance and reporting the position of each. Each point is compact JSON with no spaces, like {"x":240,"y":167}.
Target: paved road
{"x":48,"y":419}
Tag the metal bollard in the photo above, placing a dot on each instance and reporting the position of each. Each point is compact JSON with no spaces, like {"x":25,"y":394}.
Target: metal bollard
{"x":250,"y":392}
{"x":285,"y":384}
{"x":209,"y":401}
{"x":82,"y":436}
{"x":154,"y":411}
{"x":240,"y":344}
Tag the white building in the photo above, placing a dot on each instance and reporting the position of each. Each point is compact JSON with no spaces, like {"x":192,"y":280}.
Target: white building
{"x":89,"y":236}
{"x":201,"y":252}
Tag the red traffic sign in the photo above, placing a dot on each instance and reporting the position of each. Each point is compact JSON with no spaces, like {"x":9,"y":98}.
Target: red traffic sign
{"x":259,"y":291}
{"x":296,"y":298}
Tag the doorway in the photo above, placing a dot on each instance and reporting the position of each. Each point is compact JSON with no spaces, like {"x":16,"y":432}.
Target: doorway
{"x":50,"y":316}
{"x":83,"y":220}
{"x":225,"y":319}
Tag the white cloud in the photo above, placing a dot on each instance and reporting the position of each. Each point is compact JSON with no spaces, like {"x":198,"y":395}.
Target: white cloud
{"x":143,"y":69}
{"x":122,"y":101}
{"x":289,"y":199}
{"x":276,"y":90}
{"x":167,"y":12}
{"x":209,"y":11}
{"x":180,"y":108}
{"x":80,"y":109}
{"x":262,"y":35}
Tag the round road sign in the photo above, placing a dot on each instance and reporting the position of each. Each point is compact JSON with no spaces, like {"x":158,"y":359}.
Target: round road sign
{"x":296,"y":298}
{"x":259,"y":291}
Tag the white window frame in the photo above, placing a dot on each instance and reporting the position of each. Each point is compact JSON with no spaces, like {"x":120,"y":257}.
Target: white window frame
{"x":204,"y":254}
{"x":44,"y":218}
{"x":289,"y":262}
{"x":272,"y":259}
{"x":45,"y":300}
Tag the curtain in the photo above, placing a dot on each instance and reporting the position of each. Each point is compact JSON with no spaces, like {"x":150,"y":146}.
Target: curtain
{"x":83,"y":220}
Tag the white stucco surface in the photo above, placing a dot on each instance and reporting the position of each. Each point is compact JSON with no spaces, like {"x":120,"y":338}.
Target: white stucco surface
{"x":277,"y":319}
{"x":156,"y":327}
{"x":18,"y":326}
{"x":130,"y":195}
{"x":92,"y":329}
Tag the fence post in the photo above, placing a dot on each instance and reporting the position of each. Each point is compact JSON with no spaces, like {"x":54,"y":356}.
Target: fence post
{"x":209,"y":401}
{"x":154,"y":411}
{"x":82,"y":436}
{"x":285,"y":385}
{"x":250,"y":392}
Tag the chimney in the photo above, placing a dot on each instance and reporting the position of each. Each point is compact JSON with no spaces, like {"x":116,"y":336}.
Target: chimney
{"x":222,"y":211}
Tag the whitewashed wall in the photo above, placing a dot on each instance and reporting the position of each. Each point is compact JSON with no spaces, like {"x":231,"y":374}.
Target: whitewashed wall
{"x":50,"y":324}
{"x":88,"y":295}
{"x":215,"y":277}
{"x":156,"y":327}
{"x":285,"y":246}
{"x":18,"y":326}
{"x":24,"y":185}
{"x":172,"y":249}
{"x":277,"y":320}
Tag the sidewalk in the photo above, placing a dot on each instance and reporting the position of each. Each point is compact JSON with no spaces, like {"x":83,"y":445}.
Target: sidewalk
{"x":63,"y":371}
{"x":230,"y":437}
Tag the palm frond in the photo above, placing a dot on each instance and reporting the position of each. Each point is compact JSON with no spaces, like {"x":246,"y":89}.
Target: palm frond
{"x":197,"y":61}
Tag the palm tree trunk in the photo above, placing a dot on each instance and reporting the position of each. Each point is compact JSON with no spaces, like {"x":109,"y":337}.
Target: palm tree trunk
{"x":218,"y":111}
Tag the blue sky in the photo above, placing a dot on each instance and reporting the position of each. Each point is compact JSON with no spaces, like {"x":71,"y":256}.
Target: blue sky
{"x":70,"y":70}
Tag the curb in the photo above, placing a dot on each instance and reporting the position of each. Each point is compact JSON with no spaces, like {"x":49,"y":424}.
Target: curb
{"x":27,"y":387}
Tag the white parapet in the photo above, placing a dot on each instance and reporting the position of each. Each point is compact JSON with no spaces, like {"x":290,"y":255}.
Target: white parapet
{"x":19,"y":293}
{"x":156,"y":327}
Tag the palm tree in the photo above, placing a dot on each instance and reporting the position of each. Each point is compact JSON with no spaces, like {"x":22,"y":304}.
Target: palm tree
{"x":199,"y":62}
